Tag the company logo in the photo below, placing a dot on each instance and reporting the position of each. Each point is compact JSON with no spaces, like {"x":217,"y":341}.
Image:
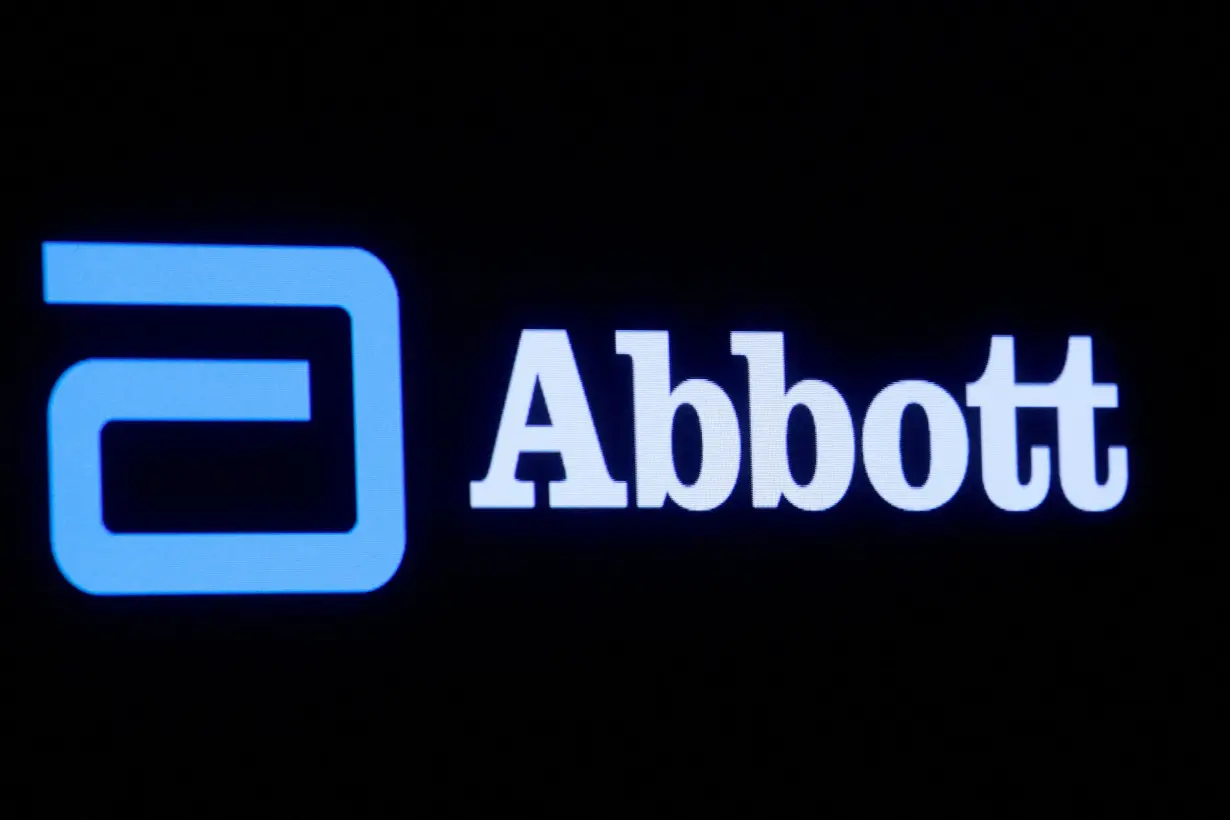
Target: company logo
{"x":544,"y":358}
{"x":94,"y":392}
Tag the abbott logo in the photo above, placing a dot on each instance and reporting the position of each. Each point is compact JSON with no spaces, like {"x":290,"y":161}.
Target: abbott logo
{"x":544,"y":358}
{"x":94,"y":392}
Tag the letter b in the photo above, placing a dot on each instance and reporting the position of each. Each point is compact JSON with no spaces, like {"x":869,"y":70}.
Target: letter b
{"x":771,"y":406}
{"x":654,"y":408}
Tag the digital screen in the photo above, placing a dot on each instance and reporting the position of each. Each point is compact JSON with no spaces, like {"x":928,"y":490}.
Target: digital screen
{"x":708,"y":433}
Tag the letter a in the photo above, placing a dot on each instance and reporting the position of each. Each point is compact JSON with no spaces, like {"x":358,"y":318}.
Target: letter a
{"x":544,"y":357}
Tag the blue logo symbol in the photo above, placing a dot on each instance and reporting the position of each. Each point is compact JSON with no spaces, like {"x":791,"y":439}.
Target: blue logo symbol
{"x":94,"y":392}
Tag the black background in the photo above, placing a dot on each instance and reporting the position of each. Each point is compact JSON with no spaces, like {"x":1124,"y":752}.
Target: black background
{"x":887,"y":189}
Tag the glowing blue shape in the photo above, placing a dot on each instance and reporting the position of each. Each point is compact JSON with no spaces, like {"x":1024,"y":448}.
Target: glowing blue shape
{"x":94,"y":392}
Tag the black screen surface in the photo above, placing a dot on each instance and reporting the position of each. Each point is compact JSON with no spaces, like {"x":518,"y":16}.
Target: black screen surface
{"x":888,"y":191}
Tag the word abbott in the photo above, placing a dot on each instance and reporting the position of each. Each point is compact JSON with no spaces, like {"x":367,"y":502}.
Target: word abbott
{"x":544,"y":358}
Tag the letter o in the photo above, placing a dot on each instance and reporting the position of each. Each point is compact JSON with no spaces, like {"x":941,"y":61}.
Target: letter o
{"x":949,"y":445}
